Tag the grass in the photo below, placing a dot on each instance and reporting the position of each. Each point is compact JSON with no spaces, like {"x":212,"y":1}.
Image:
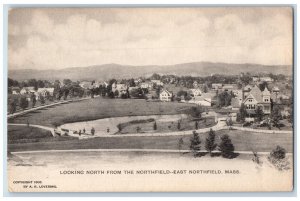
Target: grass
{"x":98,"y":108}
{"x":243,"y":141}
{"x":16,"y":133}
{"x":24,"y":134}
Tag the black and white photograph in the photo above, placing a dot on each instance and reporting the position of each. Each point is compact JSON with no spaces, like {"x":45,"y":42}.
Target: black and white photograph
{"x":150,"y":99}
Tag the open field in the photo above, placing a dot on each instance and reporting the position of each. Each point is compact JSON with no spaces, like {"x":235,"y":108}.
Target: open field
{"x":98,"y":108}
{"x":243,"y":141}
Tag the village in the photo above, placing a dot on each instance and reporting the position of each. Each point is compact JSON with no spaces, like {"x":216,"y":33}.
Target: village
{"x":262,"y":101}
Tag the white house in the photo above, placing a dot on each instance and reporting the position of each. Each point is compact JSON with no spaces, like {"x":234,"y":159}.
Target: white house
{"x":45,"y":92}
{"x":157,"y":82}
{"x":195,"y":92}
{"x":27,"y":90}
{"x":146,"y":85}
{"x":216,"y":86}
{"x":165,"y":95}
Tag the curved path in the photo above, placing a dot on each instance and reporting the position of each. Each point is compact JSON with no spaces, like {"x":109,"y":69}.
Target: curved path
{"x":261,"y":131}
{"x":41,"y":107}
{"x":219,"y":126}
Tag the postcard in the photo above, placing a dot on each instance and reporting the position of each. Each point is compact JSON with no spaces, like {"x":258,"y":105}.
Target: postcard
{"x":150,"y":99}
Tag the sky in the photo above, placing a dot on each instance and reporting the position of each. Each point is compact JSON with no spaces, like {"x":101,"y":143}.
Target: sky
{"x":56,"y":38}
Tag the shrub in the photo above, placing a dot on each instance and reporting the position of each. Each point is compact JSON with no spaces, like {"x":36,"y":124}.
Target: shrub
{"x":278,"y":153}
{"x":247,"y":124}
{"x":278,"y":159}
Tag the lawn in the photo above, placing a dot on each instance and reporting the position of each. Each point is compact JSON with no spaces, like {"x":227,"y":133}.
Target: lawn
{"x":98,"y":108}
{"x":243,"y":141}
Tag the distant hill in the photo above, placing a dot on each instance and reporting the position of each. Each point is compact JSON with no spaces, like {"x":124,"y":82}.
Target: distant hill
{"x":108,"y":71}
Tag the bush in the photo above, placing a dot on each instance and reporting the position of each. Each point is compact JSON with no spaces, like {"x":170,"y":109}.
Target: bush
{"x":278,"y":153}
{"x":247,"y":124}
{"x":277,"y":158}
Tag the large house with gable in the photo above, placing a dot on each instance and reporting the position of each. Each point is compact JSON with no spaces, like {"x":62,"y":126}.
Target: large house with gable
{"x":255,"y":98}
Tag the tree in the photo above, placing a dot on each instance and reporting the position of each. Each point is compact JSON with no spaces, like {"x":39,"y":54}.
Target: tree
{"x":196,"y":125}
{"x":229,"y":122}
{"x":67,"y":82}
{"x":93,"y":131}
{"x":119,"y":127}
{"x":226,"y":147}
{"x":195,"y":143}
{"x":154,"y":126}
{"x":33,"y":99}
{"x":263,"y":85}
{"x":180,"y":144}
{"x":276,"y":116}
{"x":242,"y":113}
{"x":210,"y":144}
{"x":259,"y":114}
{"x":195,"y":111}
{"x":23,"y":103}
{"x":178,"y":125}
{"x":117,"y":93}
{"x":42,"y":99}
{"x":12,"y":106}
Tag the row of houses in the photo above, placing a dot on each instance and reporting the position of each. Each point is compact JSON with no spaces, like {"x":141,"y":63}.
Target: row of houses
{"x":28,"y":91}
{"x":197,"y":97}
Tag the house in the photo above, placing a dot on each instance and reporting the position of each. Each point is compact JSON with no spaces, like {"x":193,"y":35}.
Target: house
{"x":146,"y":85}
{"x":86,"y":85}
{"x":266,"y":79}
{"x":44,"y":92}
{"x":255,"y":79}
{"x":216,"y":86}
{"x":121,"y":88}
{"x":246,"y":90}
{"x":195,"y":92}
{"x":27,"y":90}
{"x":157,"y":82}
{"x":257,"y":98}
{"x":15,"y":90}
{"x":204,"y":100}
{"x":195,"y":84}
{"x":228,"y":87}
{"x":165,"y":95}
{"x":236,"y":102}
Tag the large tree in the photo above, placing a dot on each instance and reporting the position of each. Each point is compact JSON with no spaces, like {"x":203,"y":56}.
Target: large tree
{"x":195,"y":145}
{"x":210,"y":144}
{"x":23,"y":102}
{"x":259,"y":114}
{"x":276,"y":115}
{"x":226,"y":147}
{"x":242,"y":113}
